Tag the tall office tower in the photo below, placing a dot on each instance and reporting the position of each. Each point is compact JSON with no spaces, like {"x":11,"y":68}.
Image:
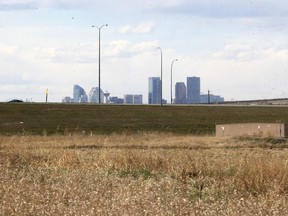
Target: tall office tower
{"x":94,"y":95}
{"x":193,"y":90}
{"x":180,"y":93}
{"x":154,"y":90}
{"x":79,"y":95}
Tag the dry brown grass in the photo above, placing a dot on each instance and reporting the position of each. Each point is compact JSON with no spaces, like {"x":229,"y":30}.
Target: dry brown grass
{"x":143,"y":174}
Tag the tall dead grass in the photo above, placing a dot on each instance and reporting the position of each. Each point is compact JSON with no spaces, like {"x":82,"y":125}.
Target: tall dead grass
{"x":142,"y":174}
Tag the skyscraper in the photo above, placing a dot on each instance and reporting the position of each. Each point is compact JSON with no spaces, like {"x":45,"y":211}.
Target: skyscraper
{"x":79,"y":94}
{"x":180,"y":93}
{"x":193,"y":90}
{"x":94,"y":95}
{"x":154,"y":90}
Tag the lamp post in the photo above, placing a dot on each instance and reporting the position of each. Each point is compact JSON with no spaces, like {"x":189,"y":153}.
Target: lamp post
{"x":161,"y":75}
{"x":99,"y":89}
{"x":171,"y":78}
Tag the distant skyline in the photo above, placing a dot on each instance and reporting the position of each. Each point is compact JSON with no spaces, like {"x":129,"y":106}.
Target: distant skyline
{"x":238,"y":48}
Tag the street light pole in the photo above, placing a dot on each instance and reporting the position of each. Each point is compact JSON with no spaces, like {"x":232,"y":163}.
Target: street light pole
{"x":161,"y":75}
{"x":99,"y":84}
{"x":171,"y":78}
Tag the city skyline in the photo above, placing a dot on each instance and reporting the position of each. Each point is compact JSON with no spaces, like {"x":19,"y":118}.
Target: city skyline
{"x":240,"y":49}
{"x":183,"y":95}
{"x":80,"y":96}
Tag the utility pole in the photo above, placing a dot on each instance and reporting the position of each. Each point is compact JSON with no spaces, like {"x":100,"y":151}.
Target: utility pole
{"x":99,"y":87}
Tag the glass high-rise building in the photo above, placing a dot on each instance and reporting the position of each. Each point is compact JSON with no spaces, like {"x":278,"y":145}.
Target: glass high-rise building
{"x":180,"y":93}
{"x":79,"y":95}
{"x":193,"y":90}
{"x":154,"y":90}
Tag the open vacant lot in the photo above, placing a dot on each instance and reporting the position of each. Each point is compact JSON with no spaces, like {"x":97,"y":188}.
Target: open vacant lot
{"x":143,"y":174}
{"x":48,"y":119}
{"x":58,"y":159}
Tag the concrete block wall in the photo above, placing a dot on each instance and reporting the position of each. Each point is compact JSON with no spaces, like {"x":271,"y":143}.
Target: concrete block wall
{"x":277,"y":130}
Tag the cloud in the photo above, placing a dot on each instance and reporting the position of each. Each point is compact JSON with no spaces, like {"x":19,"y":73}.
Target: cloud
{"x":76,"y":52}
{"x":145,"y":28}
{"x":7,"y":5}
{"x":237,"y":52}
{"x":249,"y":52}
{"x":202,"y":8}
{"x":8,"y":49}
{"x":125,"y":29}
{"x":124,"y":48}
{"x":228,"y":8}
{"x":10,"y":53}
{"x":82,"y":53}
{"x":142,"y":28}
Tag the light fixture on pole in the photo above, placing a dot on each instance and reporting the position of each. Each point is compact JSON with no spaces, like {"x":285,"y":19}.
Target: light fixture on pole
{"x":171,"y":78}
{"x":161,"y":76}
{"x":99,"y":84}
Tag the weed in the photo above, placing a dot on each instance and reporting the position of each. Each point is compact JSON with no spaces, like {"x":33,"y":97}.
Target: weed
{"x":143,"y":173}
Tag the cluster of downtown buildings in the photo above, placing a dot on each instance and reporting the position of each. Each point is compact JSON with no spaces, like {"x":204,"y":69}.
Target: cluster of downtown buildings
{"x":184,"y":94}
{"x":188,"y":93}
{"x":80,"y":96}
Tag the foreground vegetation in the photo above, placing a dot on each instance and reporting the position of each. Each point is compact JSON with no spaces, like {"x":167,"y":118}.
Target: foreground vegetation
{"x":49,"y":119}
{"x":142,"y":174}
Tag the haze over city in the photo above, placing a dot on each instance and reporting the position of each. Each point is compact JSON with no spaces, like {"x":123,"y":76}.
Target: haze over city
{"x":238,"y":48}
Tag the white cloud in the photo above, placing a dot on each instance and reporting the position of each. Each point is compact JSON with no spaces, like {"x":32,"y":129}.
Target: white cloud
{"x":8,"y":50}
{"x":239,"y":52}
{"x":142,"y":28}
{"x":227,"y":8}
{"x":17,"y":5}
{"x":125,"y":29}
{"x":145,"y":28}
{"x":124,"y":48}
{"x":207,"y":8}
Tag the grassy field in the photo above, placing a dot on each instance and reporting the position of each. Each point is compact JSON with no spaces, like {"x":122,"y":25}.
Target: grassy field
{"x":143,"y":174}
{"x":49,"y":119}
{"x":60,"y":159}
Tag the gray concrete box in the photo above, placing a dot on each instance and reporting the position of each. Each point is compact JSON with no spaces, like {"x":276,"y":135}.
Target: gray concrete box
{"x":277,"y":130}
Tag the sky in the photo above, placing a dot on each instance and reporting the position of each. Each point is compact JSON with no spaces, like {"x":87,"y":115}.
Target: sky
{"x":238,"y":48}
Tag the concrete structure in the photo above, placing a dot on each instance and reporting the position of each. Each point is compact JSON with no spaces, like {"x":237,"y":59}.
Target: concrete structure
{"x":154,"y":90}
{"x":180,"y":93}
{"x":277,"y":130}
{"x":193,"y":90}
{"x":79,"y":95}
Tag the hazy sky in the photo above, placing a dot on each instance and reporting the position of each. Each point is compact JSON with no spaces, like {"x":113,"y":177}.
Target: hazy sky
{"x":239,"y":48}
